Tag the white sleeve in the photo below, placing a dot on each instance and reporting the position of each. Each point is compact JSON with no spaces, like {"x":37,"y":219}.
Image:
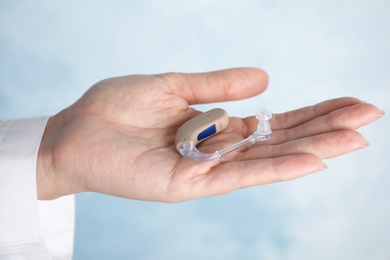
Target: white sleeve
{"x":29,"y":229}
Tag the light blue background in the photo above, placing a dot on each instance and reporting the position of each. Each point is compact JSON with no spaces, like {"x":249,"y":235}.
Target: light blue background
{"x":53,"y":51}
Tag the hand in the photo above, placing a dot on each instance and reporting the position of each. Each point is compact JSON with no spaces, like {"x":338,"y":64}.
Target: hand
{"x":118,"y":138}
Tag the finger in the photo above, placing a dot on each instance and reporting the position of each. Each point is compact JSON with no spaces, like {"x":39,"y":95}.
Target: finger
{"x":299,"y":116}
{"x":217,"y":86}
{"x":348,"y":118}
{"x":332,"y":115}
{"x":303,"y":115}
{"x":323,"y":146}
{"x":240,"y":174}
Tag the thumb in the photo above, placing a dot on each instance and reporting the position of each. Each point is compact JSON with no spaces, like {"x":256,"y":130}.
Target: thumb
{"x":217,"y":86}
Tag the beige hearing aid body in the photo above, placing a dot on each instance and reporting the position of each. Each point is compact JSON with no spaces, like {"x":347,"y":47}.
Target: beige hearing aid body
{"x":203,"y":126}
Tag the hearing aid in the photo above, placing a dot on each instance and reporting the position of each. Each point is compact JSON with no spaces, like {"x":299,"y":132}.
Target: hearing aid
{"x":209,"y":123}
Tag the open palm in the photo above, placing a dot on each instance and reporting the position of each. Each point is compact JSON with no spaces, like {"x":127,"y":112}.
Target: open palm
{"x":118,"y":138}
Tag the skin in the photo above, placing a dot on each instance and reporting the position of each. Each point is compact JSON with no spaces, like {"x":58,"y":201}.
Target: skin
{"x":118,"y":138}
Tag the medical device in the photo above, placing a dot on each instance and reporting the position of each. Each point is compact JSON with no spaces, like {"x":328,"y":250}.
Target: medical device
{"x":210,"y":123}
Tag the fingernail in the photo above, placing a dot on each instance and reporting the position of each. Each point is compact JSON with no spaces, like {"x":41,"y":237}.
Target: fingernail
{"x":319,"y":168}
{"x":376,"y":117}
{"x":324,"y":166}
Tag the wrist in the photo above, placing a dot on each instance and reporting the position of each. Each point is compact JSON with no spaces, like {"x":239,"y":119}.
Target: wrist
{"x":52,"y":181}
{"x":44,"y":168}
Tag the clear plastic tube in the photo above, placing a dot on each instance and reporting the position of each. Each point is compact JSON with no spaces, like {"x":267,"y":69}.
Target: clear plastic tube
{"x":262,"y":133}
{"x":189,"y":150}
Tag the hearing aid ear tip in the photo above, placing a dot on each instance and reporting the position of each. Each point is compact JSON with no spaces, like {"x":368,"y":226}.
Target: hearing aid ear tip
{"x":263,"y":115}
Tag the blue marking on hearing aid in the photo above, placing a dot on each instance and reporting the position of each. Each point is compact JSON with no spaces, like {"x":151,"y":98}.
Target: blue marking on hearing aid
{"x":207,"y":133}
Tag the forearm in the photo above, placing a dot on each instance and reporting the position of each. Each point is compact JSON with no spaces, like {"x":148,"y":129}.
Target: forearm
{"x":29,"y":228}
{"x":19,"y":141}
